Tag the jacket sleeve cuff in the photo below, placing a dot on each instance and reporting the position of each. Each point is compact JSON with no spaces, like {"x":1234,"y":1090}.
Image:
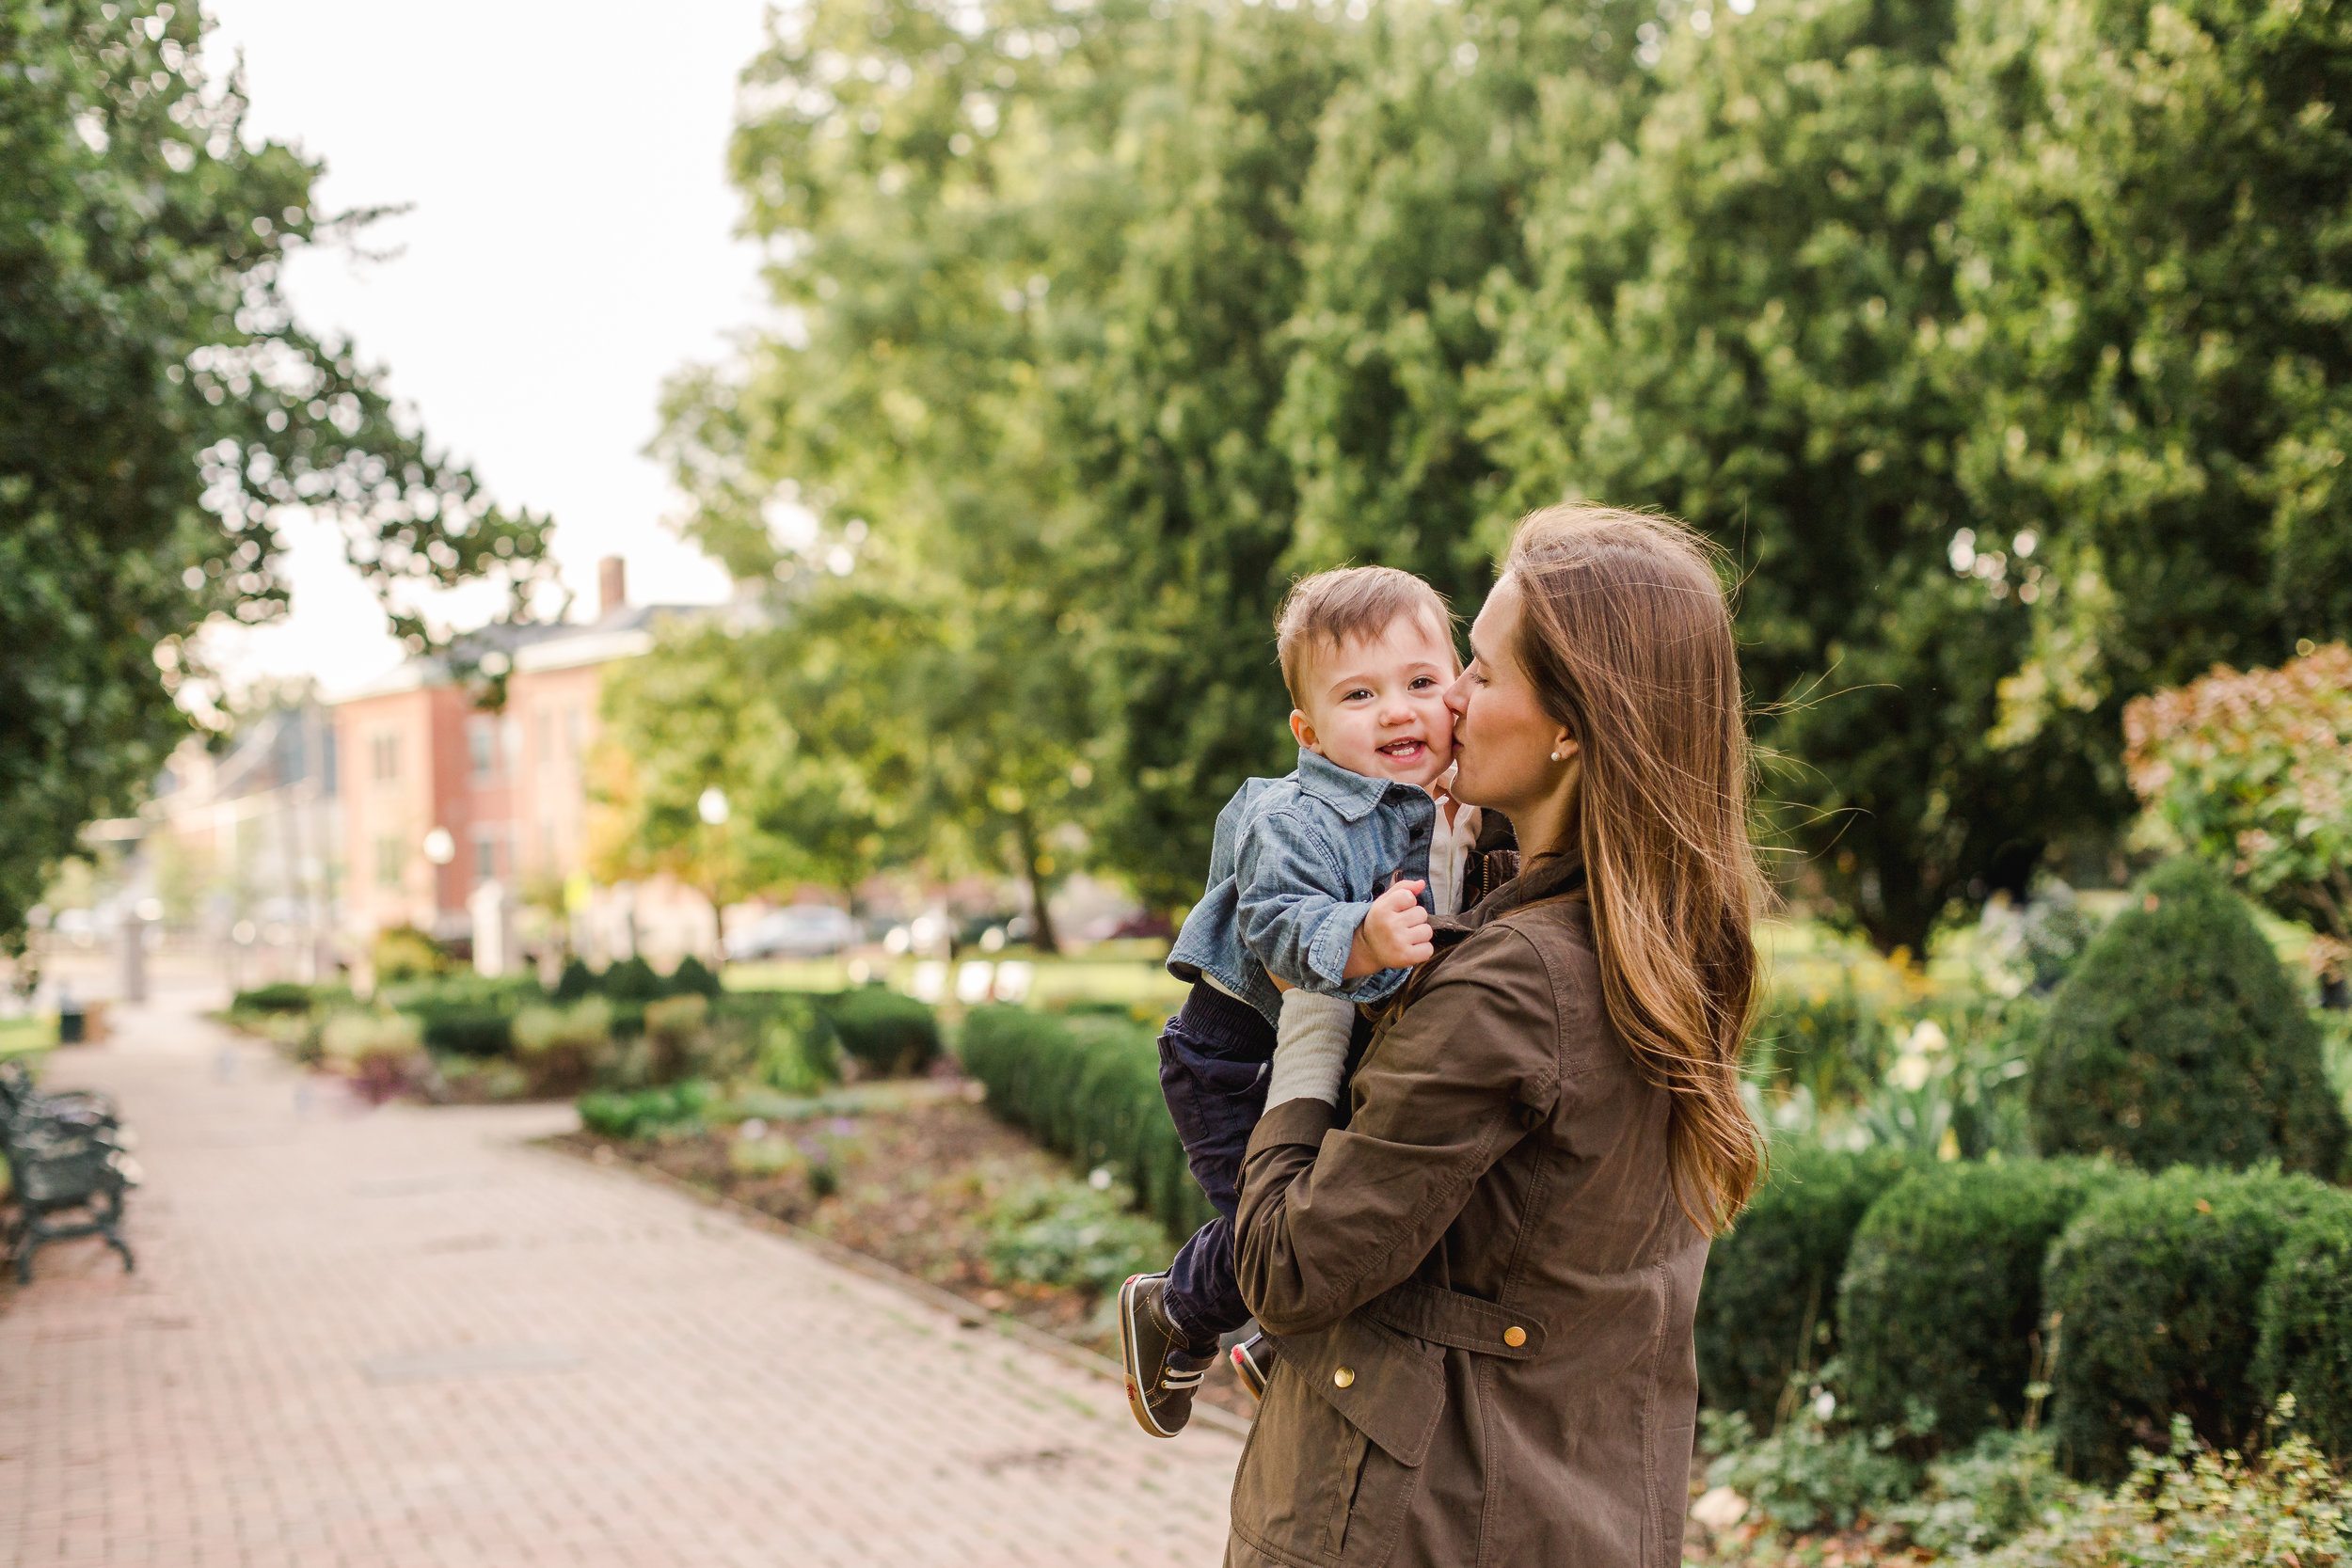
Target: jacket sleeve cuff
{"x":1302,"y":1122}
{"x":1326,"y":956}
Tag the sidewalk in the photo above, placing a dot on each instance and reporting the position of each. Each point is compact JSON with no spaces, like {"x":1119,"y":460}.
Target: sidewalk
{"x":401,"y":1337}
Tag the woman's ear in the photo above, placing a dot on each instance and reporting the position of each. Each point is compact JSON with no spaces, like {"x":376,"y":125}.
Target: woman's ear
{"x":1304,"y":733}
{"x":1563,"y":748}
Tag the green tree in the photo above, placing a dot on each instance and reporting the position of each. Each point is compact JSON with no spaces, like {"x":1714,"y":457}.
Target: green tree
{"x":1727,"y":323}
{"x":2153,"y":344}
{"x":1414,"y":212}
{"x":1169,"y":408}
{"x":161,"y":406}
{"x":781,"y":720}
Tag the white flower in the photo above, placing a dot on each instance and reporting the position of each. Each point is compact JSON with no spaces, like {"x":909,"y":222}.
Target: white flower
{"x":1825,"y":1404}
{"x":1928,"y":1038}
{"x":1720,"y":1509}
{"x":1100,"y":1178}
{"x":1909,"y":1073}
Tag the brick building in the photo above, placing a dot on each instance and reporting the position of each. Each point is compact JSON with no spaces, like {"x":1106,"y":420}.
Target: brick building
{"x":421,"y":761}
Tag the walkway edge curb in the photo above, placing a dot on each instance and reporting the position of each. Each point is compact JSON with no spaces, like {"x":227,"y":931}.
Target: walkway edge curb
{"x":882,"y":1272}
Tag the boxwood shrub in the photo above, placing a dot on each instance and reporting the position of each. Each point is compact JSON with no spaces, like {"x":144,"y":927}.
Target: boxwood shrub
{"x":887,"y":1034}
{"x":2179,"y":1039}
{"x":2306,"y":1346}
{"x":1942,"y":1298}
{"x":279,"y":996}
{"x":1088,"y":1087}
{"x":1769,"y":1305}
{"x":2158,"y":1287}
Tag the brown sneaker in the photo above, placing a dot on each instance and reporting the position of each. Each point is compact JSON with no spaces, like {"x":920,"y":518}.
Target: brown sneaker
{"x":1253,"y":1362}
{"x":1163,"y":1371}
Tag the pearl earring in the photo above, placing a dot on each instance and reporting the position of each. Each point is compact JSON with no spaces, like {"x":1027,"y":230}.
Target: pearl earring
{"x":1555,"y":756}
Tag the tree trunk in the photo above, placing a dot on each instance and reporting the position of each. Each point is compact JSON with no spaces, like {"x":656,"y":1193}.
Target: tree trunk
{"x":1024,"y":834}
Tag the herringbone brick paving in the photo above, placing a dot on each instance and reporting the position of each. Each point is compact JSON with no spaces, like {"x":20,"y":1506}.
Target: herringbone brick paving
{"x":401,"y":1338}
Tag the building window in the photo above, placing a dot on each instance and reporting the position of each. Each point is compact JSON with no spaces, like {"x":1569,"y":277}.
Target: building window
{"x":574,"y":730}
{"x":390,"y":860}
{"x":489,"y":855}
{"x":384,"y":756}
{"x":482,"y":746}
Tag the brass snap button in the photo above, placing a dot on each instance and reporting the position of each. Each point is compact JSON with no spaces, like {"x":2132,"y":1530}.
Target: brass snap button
{"x":1515,"y":1336}
{"x":1344,"y":1376}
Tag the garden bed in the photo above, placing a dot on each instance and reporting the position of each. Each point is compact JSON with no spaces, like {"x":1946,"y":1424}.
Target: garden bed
{"x":921,"y":1177}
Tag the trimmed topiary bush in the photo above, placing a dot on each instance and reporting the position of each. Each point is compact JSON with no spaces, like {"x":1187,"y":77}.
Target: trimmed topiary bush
{"x":2179,"y":1039}
{"x":1768,"y":1306}
{"x":577,"y":980}
{"x":2158,"y":1286}
{"x":281,"y":996}
{"x":631,"y":980}
{"x":1942,"y":1299}
{"x":465,"y":1028}
{"x":692,"y":977}
{"x":1088,"y":1087}
{"x":889,"y":1034}
{"x":2306,"y":1346}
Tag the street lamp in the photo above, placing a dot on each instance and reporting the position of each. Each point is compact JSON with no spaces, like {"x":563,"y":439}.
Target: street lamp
{"x":439,"y":846}
{"x":711,"y":806}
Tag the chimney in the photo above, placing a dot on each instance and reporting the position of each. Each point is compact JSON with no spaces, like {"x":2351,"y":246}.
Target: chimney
{"x":611,"y":587}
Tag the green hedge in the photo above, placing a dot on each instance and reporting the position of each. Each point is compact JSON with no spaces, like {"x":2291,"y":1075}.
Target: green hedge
{"x":2306,"y":1346}
{"x":2180,"y":1040}
{"x":1769,"y":1305}
{"x":645,"y":1113}
{"x":891,"y":1035}
{"x":282,"y":996}
{"x":2159,"y":1286}
{"x":1942,"y":1298}
{"x":1088,"y":1087}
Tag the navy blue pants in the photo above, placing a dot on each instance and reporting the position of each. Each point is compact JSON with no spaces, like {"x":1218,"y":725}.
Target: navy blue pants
{"x":1214,"y":1058}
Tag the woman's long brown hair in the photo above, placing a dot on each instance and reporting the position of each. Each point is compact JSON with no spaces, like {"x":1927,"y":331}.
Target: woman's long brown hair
{"x":1625,"y":636}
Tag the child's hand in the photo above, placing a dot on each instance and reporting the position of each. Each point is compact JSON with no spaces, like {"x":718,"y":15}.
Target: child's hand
{"x":1395,"y":935}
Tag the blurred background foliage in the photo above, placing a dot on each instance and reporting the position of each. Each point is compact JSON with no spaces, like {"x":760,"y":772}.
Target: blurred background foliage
{"x":161,"y":409}
{"x":2002,"y":344}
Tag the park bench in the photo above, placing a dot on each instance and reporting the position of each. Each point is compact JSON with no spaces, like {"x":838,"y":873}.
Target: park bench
{"x":68,"y":1155}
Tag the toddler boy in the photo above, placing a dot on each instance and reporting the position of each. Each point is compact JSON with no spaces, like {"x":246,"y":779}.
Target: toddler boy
{"x":1325,"y":880}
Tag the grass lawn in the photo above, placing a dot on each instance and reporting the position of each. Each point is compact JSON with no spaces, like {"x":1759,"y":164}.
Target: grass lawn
{"x":26,"y":1036}
{"x":1137,"y":980}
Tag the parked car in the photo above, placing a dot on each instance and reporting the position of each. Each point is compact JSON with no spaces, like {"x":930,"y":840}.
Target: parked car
{"x":795,"y":931}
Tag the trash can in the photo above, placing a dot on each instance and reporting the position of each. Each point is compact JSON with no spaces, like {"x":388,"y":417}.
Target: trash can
{"x":70,"y":1025}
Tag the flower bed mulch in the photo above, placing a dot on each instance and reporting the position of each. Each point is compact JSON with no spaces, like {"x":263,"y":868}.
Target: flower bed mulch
{"x":917,"y":1174}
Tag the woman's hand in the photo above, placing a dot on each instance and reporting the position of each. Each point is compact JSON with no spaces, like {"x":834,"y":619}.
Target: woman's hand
{"x":1395,"y":934}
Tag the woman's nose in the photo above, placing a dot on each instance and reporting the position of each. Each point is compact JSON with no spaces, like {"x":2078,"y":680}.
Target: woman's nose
{"x":1457,"y":695}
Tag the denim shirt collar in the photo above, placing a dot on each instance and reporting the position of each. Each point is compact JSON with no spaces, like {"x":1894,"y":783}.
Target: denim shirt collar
{"x":1351,"y":795}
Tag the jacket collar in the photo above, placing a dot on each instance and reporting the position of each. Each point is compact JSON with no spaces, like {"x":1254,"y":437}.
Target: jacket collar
{"x":1352,"y":795}
{"x":1553,"y":877}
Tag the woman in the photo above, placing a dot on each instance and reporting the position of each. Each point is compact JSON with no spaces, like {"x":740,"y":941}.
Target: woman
{"x":1484,"y":1283}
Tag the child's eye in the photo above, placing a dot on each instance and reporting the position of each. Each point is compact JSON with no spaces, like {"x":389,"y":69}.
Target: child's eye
{"x":1360,"y":691}
{"x":1423,"y":683}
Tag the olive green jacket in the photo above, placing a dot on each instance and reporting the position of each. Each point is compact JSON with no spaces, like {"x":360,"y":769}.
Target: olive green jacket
{"x":1482,"y":1284}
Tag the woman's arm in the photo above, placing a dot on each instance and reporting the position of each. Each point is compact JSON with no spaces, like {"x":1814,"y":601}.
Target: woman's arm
{"x":1329,"y":1217}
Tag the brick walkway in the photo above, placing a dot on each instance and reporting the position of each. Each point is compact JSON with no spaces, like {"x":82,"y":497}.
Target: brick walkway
{"x":398,"y":1337}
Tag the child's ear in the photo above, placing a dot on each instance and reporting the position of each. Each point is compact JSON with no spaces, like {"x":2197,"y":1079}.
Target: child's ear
{"x":1304,"y":733}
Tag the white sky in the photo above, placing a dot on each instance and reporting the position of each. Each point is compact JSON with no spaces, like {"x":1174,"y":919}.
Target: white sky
{"x":570,"y":244}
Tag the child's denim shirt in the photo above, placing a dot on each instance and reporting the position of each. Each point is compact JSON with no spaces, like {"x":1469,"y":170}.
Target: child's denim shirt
{"x":1295,"y":864}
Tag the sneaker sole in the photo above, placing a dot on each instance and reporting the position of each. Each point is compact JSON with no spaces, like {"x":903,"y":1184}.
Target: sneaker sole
{"x":1130,"y":1356}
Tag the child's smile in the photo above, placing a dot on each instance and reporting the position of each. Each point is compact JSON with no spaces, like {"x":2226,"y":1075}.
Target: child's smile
{"x":1378,"y":707}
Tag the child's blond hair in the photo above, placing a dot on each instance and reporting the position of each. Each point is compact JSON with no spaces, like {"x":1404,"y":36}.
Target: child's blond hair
{"x":1328,"y":608}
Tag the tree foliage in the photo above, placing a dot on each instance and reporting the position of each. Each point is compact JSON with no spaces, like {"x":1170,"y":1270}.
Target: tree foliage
{"x":161,"y":407}
{"x":1099,"y":320}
